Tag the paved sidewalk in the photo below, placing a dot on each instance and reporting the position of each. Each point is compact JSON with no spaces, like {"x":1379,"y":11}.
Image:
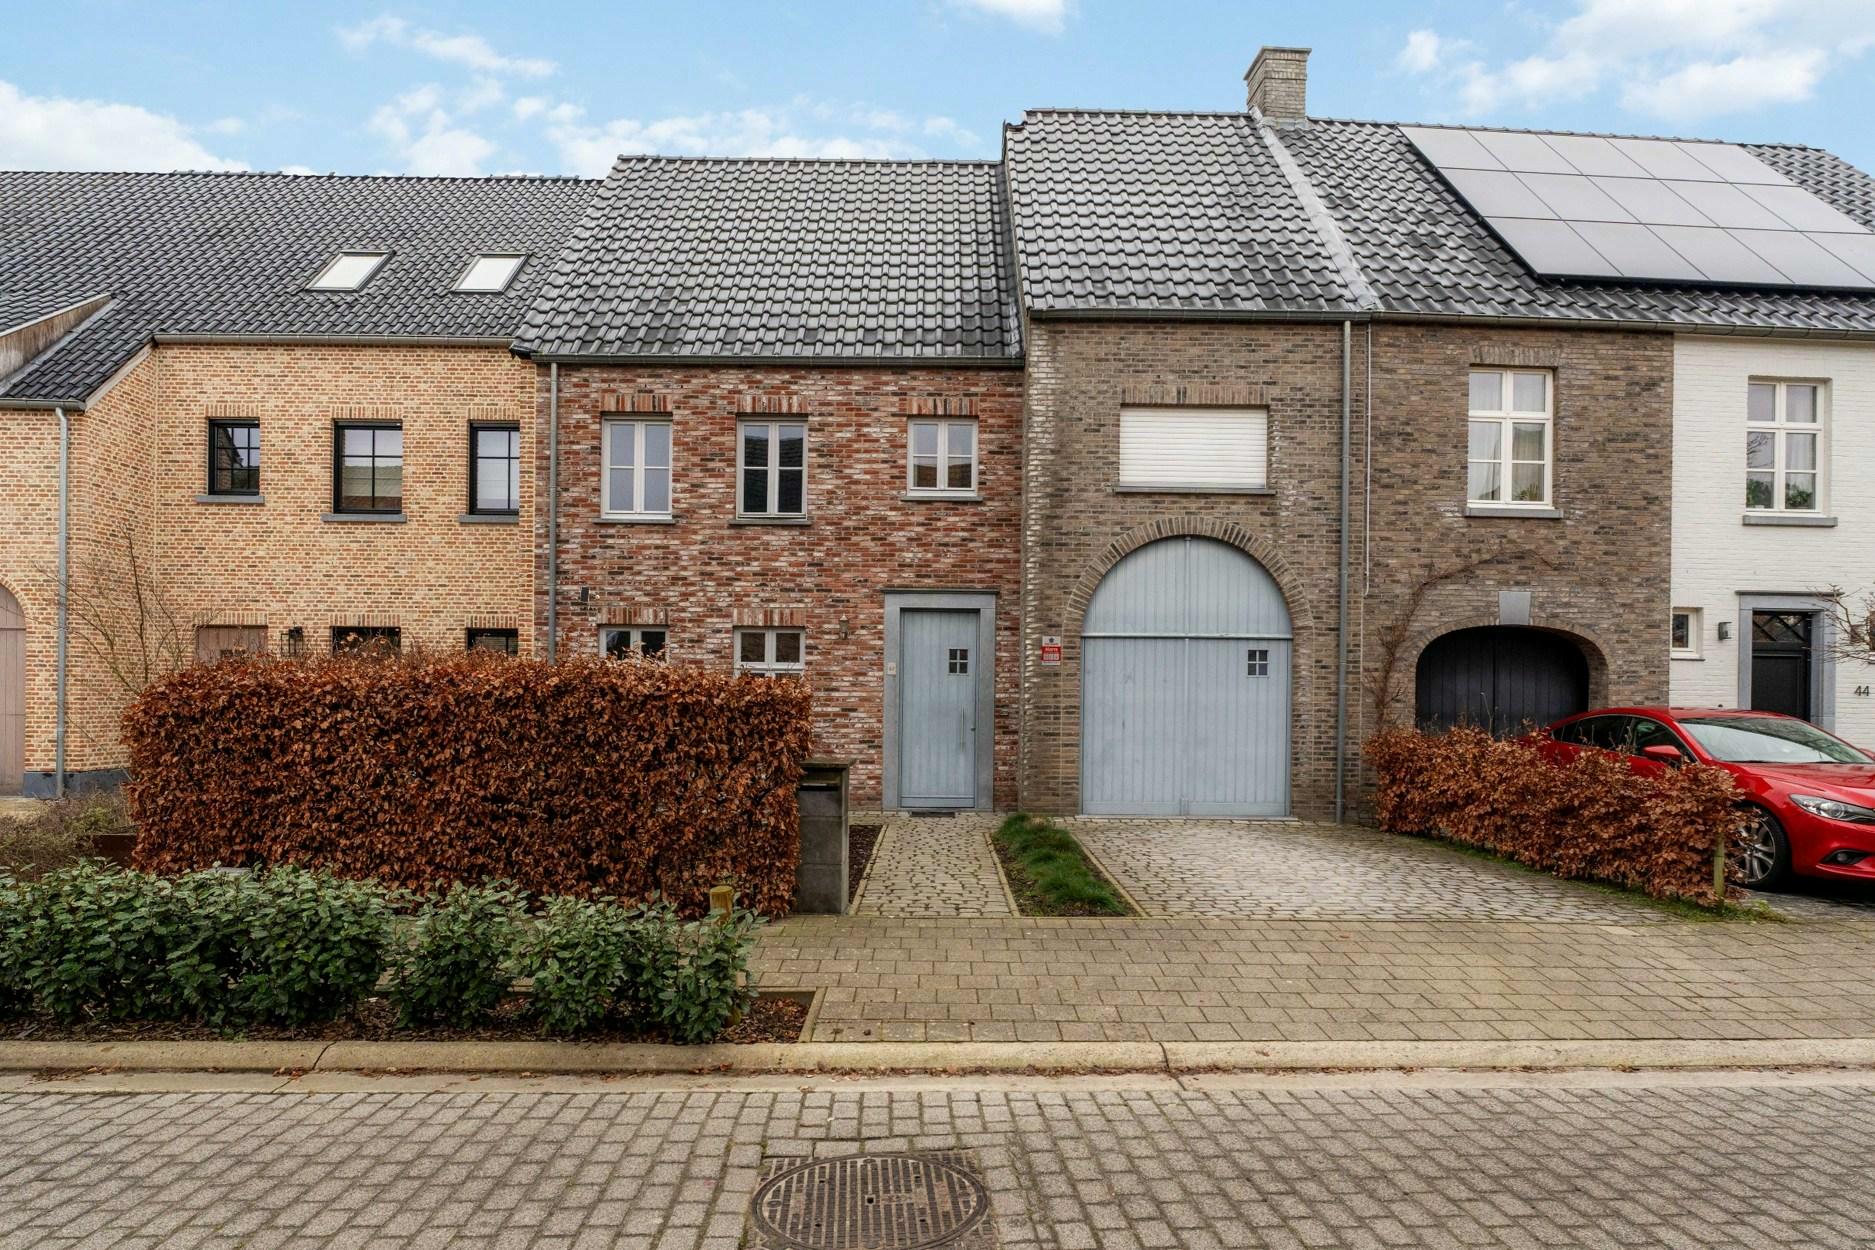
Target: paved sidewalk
{"x":1315,"y":871}
{"x":892,"y":979}
{"x":935,"y":866}
{"x":1104,"y":1168}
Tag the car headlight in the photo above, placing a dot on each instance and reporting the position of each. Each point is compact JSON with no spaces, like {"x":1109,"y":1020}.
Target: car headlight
{"x":1834,"y":809}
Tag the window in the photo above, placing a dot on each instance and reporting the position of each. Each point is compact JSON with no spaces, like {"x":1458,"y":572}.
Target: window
{"x":943,"y":458}
{"x":234,"y":457}
{"x":367,"y":640}
{"x":1651,"y":733}
{"x":495,"y":469}
{"x":214,"y":642}
{"x":1510,"y":441}
{"x":773,"y":460}
{"x":1686,"y":634}
{"x":959,"y":661}
{"x":1257,"y":662}
{"x":500,"y":641}
{"x":490,"y":273}
{"x":370,"y":476}
{"x":1783,"y":432}
{"x":771,"y":651}
{"x":618,"y":641}
{"x":637,"y":469}
{"x":1194,"y":448}
{"x":348,"y":271}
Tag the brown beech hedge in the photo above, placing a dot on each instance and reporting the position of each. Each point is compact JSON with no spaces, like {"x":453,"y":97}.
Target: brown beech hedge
{"x":621,"y":778}
{"x":1591,"y":819}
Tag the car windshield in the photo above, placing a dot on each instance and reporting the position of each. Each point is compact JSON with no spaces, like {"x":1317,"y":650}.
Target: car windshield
{"x":1769,"y":740}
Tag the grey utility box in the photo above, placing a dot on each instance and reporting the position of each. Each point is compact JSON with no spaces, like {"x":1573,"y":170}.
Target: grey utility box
{"x":820,"y":881}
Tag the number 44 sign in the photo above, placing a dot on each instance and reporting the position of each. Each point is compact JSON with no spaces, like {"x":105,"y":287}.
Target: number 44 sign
{"x":1051,"y":649}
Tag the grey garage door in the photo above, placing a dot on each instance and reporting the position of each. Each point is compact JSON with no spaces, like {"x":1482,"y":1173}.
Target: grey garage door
{"x":1185,"y":686}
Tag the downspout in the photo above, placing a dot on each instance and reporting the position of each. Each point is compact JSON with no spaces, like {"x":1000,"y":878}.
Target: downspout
{"x":553,"y":510}
{"x":1341,"y":629}
{"x":64,"y":593}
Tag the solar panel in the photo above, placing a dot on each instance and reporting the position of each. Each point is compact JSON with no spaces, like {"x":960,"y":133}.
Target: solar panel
{"x":1648,"y":210}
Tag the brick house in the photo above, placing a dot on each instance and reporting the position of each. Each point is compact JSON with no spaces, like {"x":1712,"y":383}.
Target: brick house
{"x":1146,"y":470}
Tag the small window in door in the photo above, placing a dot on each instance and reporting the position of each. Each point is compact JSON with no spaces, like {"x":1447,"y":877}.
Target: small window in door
{"x":1257,"y":662}
{"x":959,"y":660}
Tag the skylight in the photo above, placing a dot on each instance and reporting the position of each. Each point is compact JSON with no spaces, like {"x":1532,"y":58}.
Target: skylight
{"x":490,"y":273}
{"x":348,"y":271}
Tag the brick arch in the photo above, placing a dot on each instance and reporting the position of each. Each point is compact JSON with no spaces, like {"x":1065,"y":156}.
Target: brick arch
{"x":1594,"y":648}
{"x":20,"y":599}
{"x":1257,"y":547}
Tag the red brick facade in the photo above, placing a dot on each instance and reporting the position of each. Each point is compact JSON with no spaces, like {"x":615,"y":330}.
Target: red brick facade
{"x":705,"y":573}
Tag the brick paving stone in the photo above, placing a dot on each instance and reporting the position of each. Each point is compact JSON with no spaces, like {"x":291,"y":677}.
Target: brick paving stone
{"x":1335,"y":1167}
{"x":935,"y":866}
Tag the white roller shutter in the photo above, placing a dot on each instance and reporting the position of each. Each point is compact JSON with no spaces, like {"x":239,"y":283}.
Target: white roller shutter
{"x":1220,"y":448}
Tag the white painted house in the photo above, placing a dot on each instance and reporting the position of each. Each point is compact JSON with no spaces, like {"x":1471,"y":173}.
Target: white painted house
{"x":1773,"y":505}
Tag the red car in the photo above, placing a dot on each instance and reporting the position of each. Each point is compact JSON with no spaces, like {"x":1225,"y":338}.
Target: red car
{"x":1810,"y":794}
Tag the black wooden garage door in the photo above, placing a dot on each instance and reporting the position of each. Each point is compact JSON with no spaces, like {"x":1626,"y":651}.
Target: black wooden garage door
{"x":1501,"y":678}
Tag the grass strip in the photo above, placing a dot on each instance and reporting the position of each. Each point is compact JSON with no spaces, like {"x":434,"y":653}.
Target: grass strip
{"x":1050,"y":874}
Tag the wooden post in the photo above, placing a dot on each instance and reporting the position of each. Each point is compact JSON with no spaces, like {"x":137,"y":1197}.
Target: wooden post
{"x":722,"y":902}
{"x":1718,"y":870}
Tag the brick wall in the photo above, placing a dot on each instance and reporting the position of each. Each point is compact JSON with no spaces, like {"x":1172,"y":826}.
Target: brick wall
{"x":29,"y":459}
{"x":705,"y":574}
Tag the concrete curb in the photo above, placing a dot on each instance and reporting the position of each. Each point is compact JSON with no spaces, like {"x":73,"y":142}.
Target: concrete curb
{"x":856,"y":1058}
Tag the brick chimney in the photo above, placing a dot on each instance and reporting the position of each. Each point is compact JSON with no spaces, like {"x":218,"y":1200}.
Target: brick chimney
{"x":1279,"y":83}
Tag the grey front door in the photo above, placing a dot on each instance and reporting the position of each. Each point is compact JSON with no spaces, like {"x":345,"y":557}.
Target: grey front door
{"x":1185,"y":686}
{"x":938,"y":665}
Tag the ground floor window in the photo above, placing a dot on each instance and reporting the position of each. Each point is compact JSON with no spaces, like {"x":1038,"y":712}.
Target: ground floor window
{"x":771,"y":651}
{"x":212,"y":642}
{"x":1686,"y":633}
{"x":501,"y":641}
{"x":367,"y":639}
{"x":618,"y":641}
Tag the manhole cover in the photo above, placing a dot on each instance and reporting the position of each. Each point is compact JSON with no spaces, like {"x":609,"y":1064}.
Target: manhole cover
{"x":870,"y":1202}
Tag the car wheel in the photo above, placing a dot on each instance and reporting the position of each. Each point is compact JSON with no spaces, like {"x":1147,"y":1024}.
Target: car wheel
{"x":1762,"y":852}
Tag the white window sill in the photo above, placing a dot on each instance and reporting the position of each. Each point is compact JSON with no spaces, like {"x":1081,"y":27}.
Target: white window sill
{"x":939,"y":496}
{"x":364,"y":518}
{"x":1686,"y":655}
{"x":770,"y":520}
{"x":1812,"y":520}
{"x":647,"y":519}
{"x":246,"y":499}
{"x":1524,"y":511}
{"x":1191,"y":488}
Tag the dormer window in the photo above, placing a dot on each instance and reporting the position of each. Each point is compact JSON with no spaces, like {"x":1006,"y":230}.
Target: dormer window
{"x":490,"y":274}
{"x":348,"y":271}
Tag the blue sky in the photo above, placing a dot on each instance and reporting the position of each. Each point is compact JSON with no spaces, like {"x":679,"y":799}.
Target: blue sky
{"x":470,"y":88}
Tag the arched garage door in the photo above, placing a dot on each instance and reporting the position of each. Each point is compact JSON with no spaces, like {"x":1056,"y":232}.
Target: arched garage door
{"x":1185,"y":686}
{"x":12,"y":693}
{"x":1500,"y":678}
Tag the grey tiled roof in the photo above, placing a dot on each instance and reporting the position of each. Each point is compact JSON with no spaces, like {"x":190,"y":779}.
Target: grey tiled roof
{"x":1424,"y":252}
{"x":19,"y":308}
{"x":784,"y":259}
{"x":231,"y":254}
{"x":1161,"y":212}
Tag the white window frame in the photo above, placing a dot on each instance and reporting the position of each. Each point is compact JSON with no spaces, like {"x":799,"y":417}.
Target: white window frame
{"x":769,"y":666}
{"x":1507,"y":419}
{"x":944,"y":458}
{"x":322,"y":281}
{"x":773,"y":468}
{"x":1695,"y":636}
{"x":519,"y":259}
{"x":1780,"y":428}
{"x":635,"y":636}
{"x":637,"y":467}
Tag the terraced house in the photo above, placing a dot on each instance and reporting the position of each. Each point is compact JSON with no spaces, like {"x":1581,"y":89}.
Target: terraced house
{"x":1145,"y":470}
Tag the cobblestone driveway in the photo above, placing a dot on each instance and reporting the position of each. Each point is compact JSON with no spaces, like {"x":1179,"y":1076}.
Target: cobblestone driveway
{"x":1309,"y":872}
{"x":935,"y":866}
{"x":1325,"y":1168}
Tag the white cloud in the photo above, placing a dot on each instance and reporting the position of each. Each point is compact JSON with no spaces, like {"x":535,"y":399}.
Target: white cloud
{"x":302,"y":170}
{"x":1044,"y":15}
{"x":470,"y":51}
{"x":590,"y":148}
{"x":226,"y":126}
{"x":53,"y":132}
{"x":1676,"y":59}
{"x":427,"y":139}
{"x":1708,"y":89}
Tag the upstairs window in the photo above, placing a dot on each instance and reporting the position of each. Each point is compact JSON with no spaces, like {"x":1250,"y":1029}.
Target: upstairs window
{"x":1510,"y":444}
{"x":637,"y":482}
{"x":490,"y":274}
{"x":495,"y":470}
{"x":369,"y":469}
{"x":234,"y":457}
{"x":772,"y":457}
{"x":771,"y":652}
{"x":348,"y":271}
{"x":1194,"y":449}
{"x":943,"y":458}
{"x":1783,"y":446}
